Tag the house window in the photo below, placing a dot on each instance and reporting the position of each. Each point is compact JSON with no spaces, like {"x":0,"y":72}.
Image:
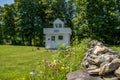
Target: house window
{"x":60,"y":37}
{"x":56,"y":25}
{"x":52,"y":38}
{"x":60,"y":25}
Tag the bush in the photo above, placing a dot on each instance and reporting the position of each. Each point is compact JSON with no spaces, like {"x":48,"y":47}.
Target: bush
{"x":62,"y":46}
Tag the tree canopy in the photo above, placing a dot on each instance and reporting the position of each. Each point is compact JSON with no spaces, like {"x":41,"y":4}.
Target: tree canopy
{"x":22,"y":22}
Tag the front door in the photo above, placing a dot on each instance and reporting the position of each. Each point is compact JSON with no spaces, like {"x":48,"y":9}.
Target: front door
{"x":53,"y":42}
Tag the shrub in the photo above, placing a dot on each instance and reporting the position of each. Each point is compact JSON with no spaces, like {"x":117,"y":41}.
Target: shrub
{"x":62,"y":46}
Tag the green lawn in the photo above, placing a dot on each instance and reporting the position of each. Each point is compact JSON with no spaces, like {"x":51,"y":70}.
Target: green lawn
{"x":16,"y":62}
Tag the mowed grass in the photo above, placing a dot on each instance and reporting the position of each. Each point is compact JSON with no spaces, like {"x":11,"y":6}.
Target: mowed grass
{"x":16,"y":62}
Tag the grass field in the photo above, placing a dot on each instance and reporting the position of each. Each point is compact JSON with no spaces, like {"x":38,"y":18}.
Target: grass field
{"x":16,"y":62}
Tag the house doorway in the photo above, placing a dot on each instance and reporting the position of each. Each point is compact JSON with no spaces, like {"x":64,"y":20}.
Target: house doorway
{"x":53,"y":42}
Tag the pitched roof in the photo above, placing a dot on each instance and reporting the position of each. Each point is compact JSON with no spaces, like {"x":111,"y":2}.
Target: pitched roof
{"x":58,"y":21}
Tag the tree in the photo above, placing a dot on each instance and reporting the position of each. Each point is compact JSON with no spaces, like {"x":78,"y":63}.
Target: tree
{"x":1,"y":38}
{"x":40,"y":22}
{"x":80,"y":29}
{"x":8,"y":23}
{"x":97,"y":20}
{"x":26,"y":19}
{"x":102,"y":20}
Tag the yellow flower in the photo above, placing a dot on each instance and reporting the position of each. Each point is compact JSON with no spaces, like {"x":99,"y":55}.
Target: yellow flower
{"x":62,"y":68}
{"x":23,"y":78}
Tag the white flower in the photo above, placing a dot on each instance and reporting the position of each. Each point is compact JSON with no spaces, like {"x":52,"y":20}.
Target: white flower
{"x":32,"y":73}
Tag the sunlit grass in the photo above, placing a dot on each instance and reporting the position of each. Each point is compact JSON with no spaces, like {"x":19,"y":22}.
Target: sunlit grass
{"x":16,"y":62}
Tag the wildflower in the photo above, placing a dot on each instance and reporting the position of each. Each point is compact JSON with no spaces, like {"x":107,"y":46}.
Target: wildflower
{"x":32,"y":72}
{"x":62,"y":68}
{"x":48,"y":64}
{"x":23,"y":78}
{"x":54,"y":63}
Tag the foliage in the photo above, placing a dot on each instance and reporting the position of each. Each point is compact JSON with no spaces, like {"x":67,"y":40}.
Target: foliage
{"x":61,"y":63}
{"x":8,"y":23}
{"x":116,"y":48}
{"x":80,"y":29}
{"x":1,"y":38}
{"x":98,"y":20}
{"x":103,"y":18}
{"x":23,"y":21}
{"x":62,"y":46}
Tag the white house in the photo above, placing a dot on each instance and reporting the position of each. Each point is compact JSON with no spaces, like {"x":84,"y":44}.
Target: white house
{"x":57,"y":35}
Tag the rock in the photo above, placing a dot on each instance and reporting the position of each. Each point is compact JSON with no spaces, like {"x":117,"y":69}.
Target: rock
{"x":81,"y":75}
{"x":110,"y":76}
{"x":114,"y":78}
{"x":117,"y":72}
{"x":109,"y":67}
{"x":94,"y":71}
{"x":113,"y":65}
{"x":92,"y":67}
{"x":100,"y":49}
{"x":99,"y":63}
{"x":94,"y":43}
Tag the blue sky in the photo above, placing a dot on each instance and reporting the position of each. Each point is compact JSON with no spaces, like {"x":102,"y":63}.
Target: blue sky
{"x":2,"y":2}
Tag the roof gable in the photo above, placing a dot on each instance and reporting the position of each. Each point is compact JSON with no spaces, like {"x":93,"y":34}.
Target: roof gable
{"x":58,"y":21}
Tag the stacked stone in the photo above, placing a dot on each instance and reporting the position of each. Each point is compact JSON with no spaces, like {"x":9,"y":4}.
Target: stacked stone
{"x":100,"y":63}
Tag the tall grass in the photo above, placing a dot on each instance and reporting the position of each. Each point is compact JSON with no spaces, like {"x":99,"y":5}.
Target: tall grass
{"x":61,"y":63}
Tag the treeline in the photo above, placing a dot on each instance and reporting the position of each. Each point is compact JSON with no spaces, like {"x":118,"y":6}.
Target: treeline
{"x":22,"y":22}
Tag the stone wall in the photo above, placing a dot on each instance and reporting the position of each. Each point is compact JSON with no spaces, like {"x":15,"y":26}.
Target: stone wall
{"x":99,"y":63}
